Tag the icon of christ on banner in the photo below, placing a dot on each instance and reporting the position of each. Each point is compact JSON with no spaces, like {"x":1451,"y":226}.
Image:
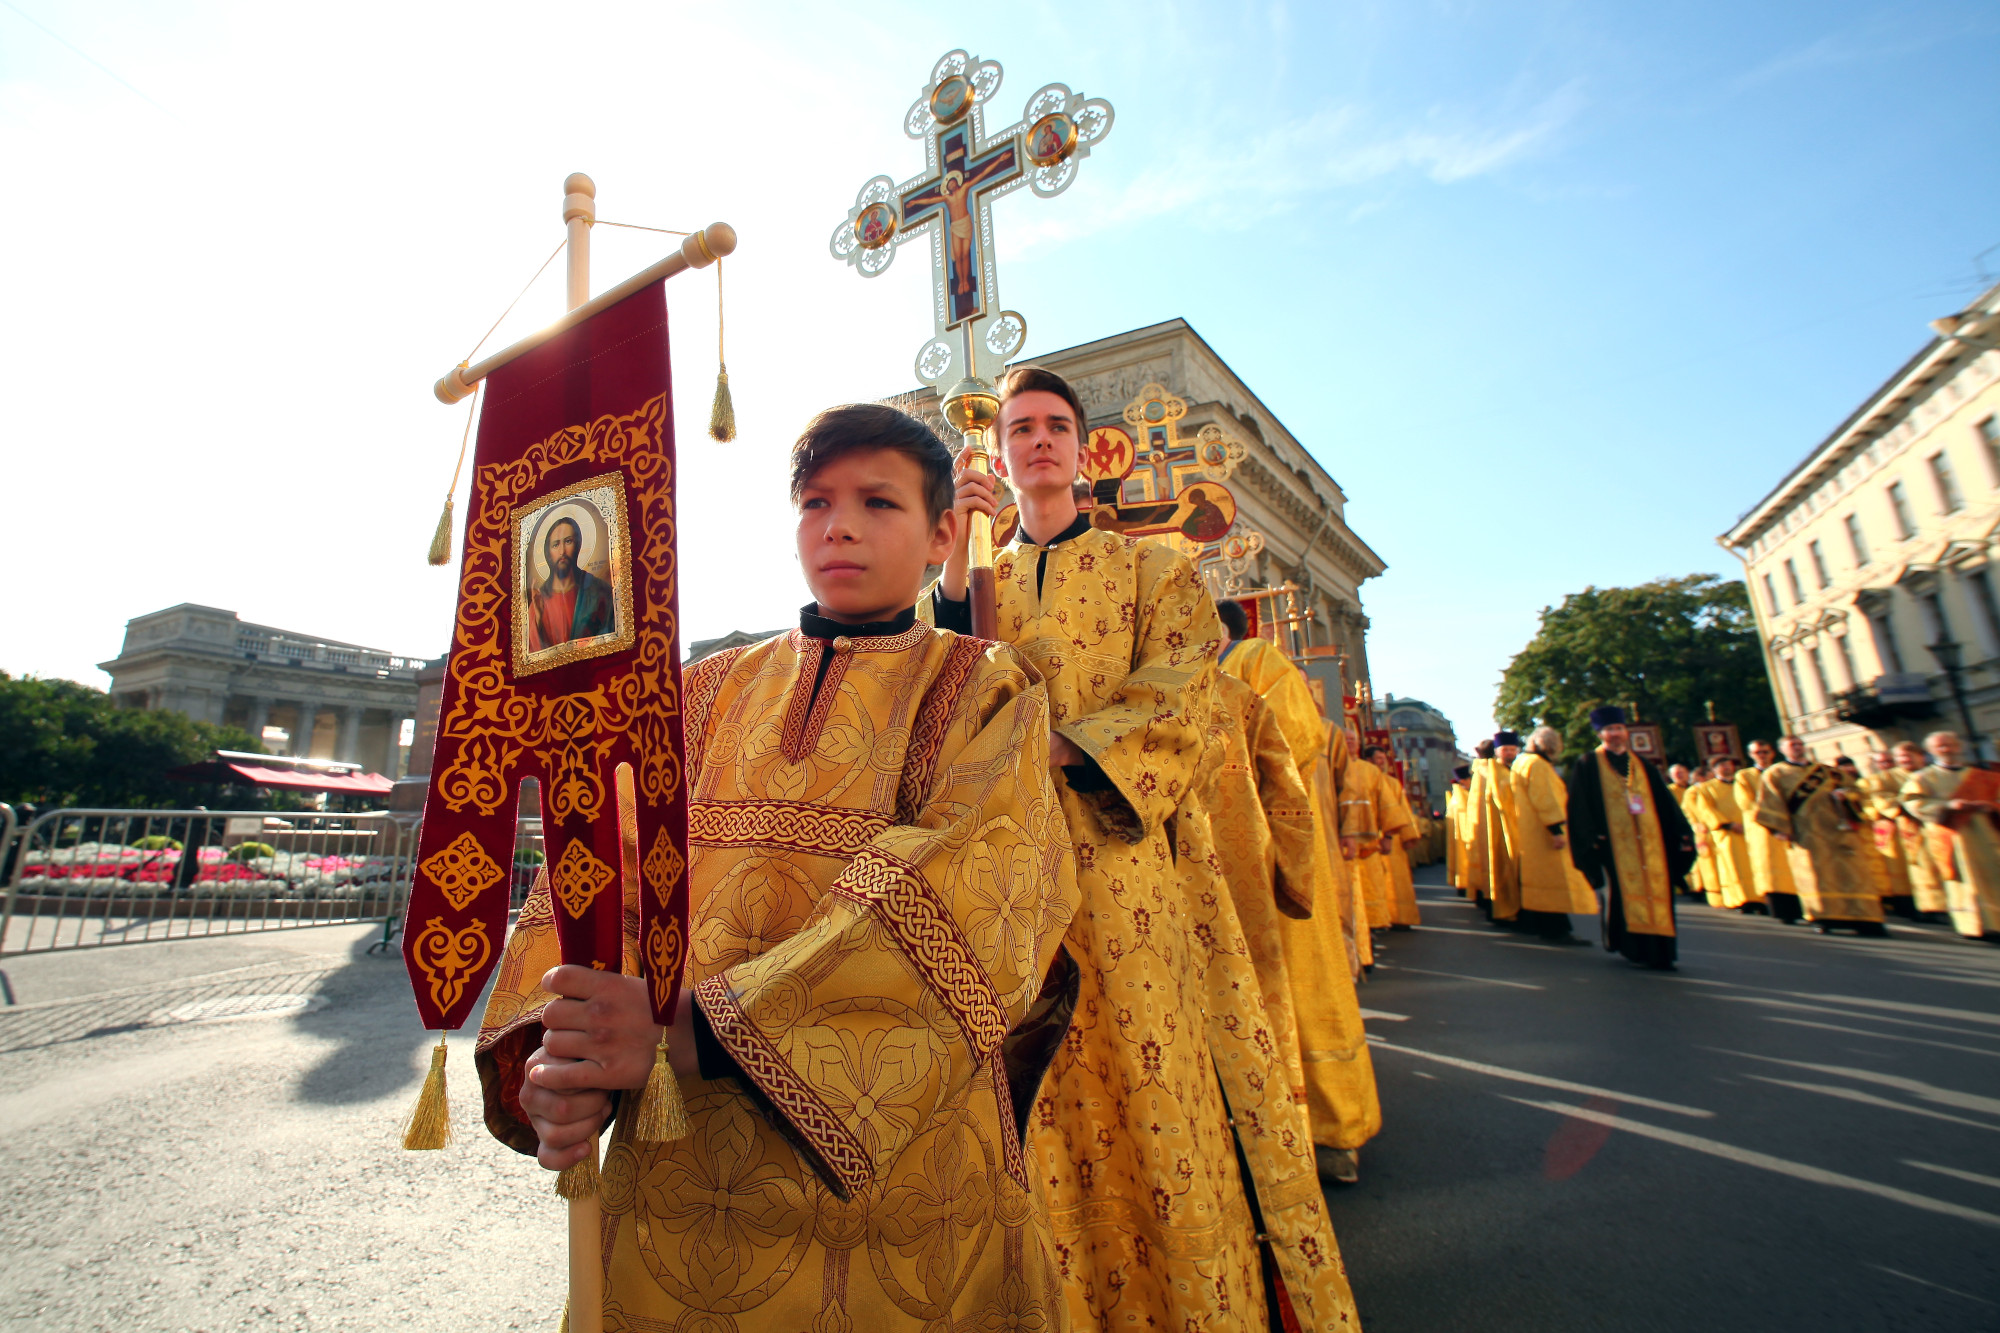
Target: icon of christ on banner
{"x":573,"y":576}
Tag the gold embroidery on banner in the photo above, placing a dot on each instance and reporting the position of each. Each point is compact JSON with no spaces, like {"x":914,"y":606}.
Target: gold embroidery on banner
{"x":461,"y":870}
{"x":795,"y":826}
{"x":450,"y":957}
{"x":662,"y":868}
{"x":491,"y":722}
{"x":664,"y":947}
{"x":579,"y":877}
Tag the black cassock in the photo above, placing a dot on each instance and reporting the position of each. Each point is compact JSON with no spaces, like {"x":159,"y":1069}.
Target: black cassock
{"x":1590,"y":850}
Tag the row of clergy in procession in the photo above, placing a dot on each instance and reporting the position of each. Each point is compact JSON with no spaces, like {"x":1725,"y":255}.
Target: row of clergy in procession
{"x":1784,"y":836}
{"x":1023,"y":973}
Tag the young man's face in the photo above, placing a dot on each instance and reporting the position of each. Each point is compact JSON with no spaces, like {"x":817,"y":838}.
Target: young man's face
{"x":1794,"y":748}
{"x":864,"y":536}
{"x":1909,"y":758}
{"x":1038,"y":443}
{"x":1761,"y":753}
{"x":1725,"y":769}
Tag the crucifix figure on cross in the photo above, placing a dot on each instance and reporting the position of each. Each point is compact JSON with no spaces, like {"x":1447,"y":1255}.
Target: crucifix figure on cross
{"x":966,"y":170}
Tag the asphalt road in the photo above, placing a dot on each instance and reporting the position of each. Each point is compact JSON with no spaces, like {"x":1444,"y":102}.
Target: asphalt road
{"x":1793,"y":1131}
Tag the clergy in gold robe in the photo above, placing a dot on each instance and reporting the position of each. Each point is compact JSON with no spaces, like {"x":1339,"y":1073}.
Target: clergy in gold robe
{"x":1963,"y":836}
{"x":1769,"y":861}
{"x":1630,"y":841}
{"x":1712,"y":811}
{"x":1881,"y":791}
{"x":1362,"y":807}
{"x":1551,"y":885}
{"x":1131,"y":1141}
{"x":1478,"y":864}
{"x":1457,"y":871}
{"x":1503,"y":859}
{"x":1344,"y":1109}
{"x":1395,"y":829}
{"x":1260,"y":816}
{"x":1929,"y":900}
{"x":863,"y":938}
{"x":1818,"y":819}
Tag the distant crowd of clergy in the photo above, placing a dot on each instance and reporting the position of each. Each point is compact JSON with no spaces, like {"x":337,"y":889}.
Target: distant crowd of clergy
{"x":1784,"y":836}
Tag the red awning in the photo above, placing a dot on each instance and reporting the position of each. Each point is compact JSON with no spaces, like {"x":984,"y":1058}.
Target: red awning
{"x":370,"y":784}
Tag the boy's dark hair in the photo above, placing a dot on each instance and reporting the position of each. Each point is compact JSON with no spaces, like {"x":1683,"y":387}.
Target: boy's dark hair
{"x":1233,"y":618}
{"x":1034,"y":379}
{"x":855,"y":426}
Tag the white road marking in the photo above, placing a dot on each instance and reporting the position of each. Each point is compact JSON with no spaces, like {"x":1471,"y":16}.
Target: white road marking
{"x":1459,"y":976}
{"x":1926,"y":1282}
{"x":1454,"y":930}
{"x":1900,"y":1007}
{"x":1543,"y":1081}
{"x":1418,"y":1073}
{"x":1951,"y":976}
{"x":1764,"y":1161}
{"x":1870,"y":1099}
{"x":1930,"y":1092}
{"x":1955,"y":1173}
{"x":1383,"y":1017}
{"x":1878,"y":1036}
{"x":1833,"y":1013}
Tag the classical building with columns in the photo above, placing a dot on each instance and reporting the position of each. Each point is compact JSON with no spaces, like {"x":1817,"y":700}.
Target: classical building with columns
{"x":305,"y":696}
{"x":1423,"y":739}
{"x":1874,"y":566}
{"x":1282,"y":493}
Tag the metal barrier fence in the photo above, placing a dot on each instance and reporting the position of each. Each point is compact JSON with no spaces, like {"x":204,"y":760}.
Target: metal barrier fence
{"x":78,"y":879}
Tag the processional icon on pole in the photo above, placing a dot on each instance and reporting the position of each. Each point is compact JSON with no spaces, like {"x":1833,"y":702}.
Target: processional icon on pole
{"x":965,"y":171}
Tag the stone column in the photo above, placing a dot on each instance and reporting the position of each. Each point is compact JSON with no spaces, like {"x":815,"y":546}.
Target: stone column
{"x":392,"y":749}
{"x":350,"y":734}
{"x":302,"y":734}
{"x":260,"y":716}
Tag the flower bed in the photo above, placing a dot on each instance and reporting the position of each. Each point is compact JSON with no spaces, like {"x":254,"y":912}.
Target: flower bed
{"x":103,"y":870}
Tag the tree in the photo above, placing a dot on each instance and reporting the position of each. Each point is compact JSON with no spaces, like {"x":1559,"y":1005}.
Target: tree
{"x":62,"y":743}
{"x":1669,"y":647}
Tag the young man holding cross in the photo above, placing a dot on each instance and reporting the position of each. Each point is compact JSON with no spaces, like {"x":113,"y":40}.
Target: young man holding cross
{"x":1155,"y":1224}
{"x":879,"y":881}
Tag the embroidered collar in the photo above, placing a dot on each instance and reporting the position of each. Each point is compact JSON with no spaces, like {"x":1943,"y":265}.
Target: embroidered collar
{"x":816,"y":626}
{"x":1076,"y":529}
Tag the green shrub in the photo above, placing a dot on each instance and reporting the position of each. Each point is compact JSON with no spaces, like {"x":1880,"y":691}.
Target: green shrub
{"x":250,"y":851}
{"x":528,"y":856}
{"x":159,"y":842}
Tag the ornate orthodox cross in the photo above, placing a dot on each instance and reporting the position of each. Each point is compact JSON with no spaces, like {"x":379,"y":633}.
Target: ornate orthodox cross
{"x":966,"y":170}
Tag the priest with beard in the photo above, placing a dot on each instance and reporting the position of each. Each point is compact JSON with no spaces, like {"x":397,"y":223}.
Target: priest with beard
{"x":1630,"y":840}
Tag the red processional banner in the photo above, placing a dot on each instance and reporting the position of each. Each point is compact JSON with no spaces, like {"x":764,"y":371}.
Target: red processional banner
{"x":564,"y":667}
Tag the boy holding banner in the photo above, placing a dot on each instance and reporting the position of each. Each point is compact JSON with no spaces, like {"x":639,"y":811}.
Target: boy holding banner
{"x":880,"y":879}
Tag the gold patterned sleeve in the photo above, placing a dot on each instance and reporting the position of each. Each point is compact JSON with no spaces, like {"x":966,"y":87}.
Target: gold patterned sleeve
{"x":1149,"y":735}
{"x":511,"y":1028}
{"x":928,"y":947}
{"x":1539,"y":786}
{"x":1357,"y":801}
{"x":1772,"y":812}
{"x":1288,"y":808}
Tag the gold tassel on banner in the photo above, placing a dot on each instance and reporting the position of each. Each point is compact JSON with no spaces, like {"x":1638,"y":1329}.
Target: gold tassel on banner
{"x":662,"y":1116}
{"x":563,"y":1325}
{"x":441,"y":539}
{"x":722,"y":415}
{"x":579,"y":1181}
{"x":430,"y":1122}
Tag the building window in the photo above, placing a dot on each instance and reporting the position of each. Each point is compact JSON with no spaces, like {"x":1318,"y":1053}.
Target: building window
{"x":1854,"y":540}
{"x":1934,"y":621}
{"x":1792,"y":577}
{"x":1819,"y":562}
{"x":1798,"y":689}
{"x":1982,"y":593}
{"x":1847,"y":661}
{"x":1885,"y":643}
{"x":1771,"y":594}
{"x":1947,"y":485}
{"x":1819,"y":675}
{"x":1899,"y":504}
{"x":1989,"y":435}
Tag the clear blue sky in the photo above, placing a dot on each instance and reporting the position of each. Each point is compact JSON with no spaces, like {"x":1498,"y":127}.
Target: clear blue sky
{"x":1553,"y":290}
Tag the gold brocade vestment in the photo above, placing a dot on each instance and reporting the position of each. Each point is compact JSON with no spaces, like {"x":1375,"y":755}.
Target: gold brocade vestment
{"x":1832,"y":864}
{"x":1131,"y":1137}
{"x":1503,"y":863}
{"x":1550,"y":881}
{"x":1340,"y":1076}
{"x":880,"y":878}
{"x":1967,"y":857}
{"x":1710,"y":807}
{"x":1400,"y":824}
{"x":1768,"y":861}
